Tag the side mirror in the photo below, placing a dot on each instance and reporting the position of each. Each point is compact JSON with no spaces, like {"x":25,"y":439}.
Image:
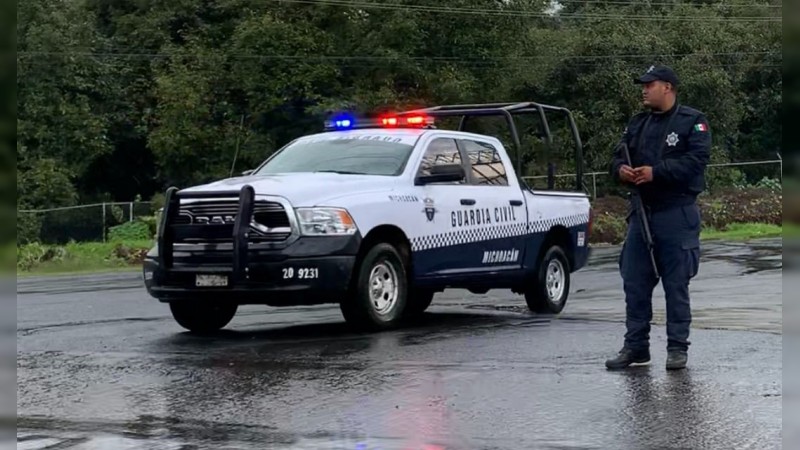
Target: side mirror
{"x":442,"y":173}
{"x":247,"y":172}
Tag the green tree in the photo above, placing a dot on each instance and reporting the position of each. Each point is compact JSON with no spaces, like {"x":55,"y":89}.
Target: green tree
{"x":62,"y":97}
{"x":122,"y":98}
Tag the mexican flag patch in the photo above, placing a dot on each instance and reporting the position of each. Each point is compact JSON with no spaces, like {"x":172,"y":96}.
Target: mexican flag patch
{"x":700,"y":127}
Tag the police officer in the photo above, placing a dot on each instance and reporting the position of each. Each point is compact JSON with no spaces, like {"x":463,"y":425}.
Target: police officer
{"x":670,"y":145}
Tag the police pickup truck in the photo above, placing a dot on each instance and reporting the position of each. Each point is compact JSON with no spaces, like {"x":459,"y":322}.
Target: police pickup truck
{"x":375,"y":215}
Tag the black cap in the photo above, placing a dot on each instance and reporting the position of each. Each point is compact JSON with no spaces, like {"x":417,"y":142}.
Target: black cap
{"x":654,"y":73}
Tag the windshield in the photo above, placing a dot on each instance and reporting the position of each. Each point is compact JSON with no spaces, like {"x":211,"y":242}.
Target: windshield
{"x":360,"y":154}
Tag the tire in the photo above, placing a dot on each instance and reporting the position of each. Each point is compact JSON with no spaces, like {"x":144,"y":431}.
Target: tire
{"x":548,"y":293}
{"x":202,"y":317}
{"x":378,"y":296}
{"x":418,"y":301}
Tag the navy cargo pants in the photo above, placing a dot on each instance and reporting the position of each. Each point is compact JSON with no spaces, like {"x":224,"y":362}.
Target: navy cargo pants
{"x":676,"y":233}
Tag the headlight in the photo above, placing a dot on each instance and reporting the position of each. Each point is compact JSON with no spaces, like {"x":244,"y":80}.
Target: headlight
{"x":325,"y":221}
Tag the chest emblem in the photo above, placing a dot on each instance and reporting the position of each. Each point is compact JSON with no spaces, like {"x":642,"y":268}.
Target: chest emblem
{"x":672,"y":139}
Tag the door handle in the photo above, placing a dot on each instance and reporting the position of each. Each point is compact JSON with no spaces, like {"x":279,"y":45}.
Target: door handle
{"x":515,"y":202}
{"x":467,"y":201}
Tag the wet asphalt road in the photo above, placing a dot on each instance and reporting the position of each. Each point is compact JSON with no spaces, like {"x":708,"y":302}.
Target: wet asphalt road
{"x":101,"y":365}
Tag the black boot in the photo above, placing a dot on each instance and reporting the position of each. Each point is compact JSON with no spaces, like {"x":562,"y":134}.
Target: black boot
{"x":628,"y":357}
{"x":676,"y":359}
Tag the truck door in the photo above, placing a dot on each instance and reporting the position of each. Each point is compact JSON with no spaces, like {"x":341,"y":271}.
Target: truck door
{"x":499,"y":205}
{"x":438,"y":248}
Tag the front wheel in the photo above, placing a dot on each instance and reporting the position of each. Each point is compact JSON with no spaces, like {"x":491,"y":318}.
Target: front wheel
{"x":548,"y":293}
{"x":378,"y":295}
{"x":202,"y":317}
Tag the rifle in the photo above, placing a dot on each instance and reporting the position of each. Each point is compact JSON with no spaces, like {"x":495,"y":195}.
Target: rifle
{"x":643,"y":219}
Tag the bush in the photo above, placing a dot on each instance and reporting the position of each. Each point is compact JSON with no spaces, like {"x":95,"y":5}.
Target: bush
{"x":81,"y":255}
{"x":734,"y":205}
{"x":157,"y":201}
{"x":615,"y":205}
{"x":138,"y":230}
{"x":152,"y":224}
{"x":131,"y":255}
{"x":31,"y":255}
{"x":608,"y":223}
{"x":29,"y":228}
{"x":772,"y":184}
{"x":608,"y":228}
{"x":759,"y":204}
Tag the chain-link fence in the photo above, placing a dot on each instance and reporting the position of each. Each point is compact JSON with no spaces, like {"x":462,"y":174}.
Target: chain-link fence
{"x":82,"y":223}
{"x":599,"y":184}
{"x":91,"y":223}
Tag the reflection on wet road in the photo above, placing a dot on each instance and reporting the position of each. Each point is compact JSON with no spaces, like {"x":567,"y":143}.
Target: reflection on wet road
{"x":109,"y":369}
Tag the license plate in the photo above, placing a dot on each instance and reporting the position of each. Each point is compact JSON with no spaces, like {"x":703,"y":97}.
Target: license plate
{"x":211,"y":280}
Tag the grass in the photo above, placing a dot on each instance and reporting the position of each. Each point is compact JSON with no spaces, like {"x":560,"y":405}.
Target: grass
{"x":84,"y":257}
{"x":743,"y":231}
{"x":96,"y":257}
{"x":50,"y":268}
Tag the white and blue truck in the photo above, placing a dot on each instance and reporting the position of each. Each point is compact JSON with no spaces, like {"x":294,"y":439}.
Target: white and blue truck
{"x":375,"y":215}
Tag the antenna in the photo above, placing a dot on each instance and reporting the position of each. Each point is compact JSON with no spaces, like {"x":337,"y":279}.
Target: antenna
{"x":238,"y":135}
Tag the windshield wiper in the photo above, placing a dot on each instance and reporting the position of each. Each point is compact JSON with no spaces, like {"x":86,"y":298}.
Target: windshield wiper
{"x":343,"y":172}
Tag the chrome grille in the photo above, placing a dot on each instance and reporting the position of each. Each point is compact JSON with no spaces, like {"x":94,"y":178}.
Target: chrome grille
{"x":269,"y":223}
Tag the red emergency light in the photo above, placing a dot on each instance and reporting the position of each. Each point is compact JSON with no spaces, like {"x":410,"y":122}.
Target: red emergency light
{"x":407,"y":121}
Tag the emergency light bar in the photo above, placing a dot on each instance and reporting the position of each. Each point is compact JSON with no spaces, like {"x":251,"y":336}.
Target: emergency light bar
{"x":345,"y":122}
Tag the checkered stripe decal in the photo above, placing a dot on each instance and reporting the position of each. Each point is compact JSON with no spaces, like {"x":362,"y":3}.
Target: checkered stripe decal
{"x":470,"y":235}
{"x":467,"y":235}
{"x":541,"y":226}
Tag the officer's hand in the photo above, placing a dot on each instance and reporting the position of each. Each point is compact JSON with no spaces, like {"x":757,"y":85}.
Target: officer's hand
{"x":644,"y":174}
{"x":627,"y":174}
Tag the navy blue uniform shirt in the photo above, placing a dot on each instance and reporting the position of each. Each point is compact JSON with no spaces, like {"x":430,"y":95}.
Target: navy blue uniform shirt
{"x":677,"y":144}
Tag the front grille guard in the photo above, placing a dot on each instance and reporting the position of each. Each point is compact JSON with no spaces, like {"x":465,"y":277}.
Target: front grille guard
{"x":168,"y":229}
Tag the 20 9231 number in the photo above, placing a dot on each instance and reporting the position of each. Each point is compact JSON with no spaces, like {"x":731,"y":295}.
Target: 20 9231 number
{"x":303,"y":273}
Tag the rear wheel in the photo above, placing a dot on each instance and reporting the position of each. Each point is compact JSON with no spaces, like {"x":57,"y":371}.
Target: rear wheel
{"x":202,"y":317}
{"x":379,"y":292}
{"x":549,"y":290}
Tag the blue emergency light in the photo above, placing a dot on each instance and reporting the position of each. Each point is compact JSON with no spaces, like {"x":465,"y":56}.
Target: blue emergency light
{"x":340,"y":122}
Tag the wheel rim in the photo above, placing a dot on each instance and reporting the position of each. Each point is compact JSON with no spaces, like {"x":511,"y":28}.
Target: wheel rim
{"x":555,"y":280}
{"x":383,"y":288}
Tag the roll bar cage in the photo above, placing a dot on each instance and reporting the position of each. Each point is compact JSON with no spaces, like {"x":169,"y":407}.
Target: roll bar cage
{"x":508,"y":111}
